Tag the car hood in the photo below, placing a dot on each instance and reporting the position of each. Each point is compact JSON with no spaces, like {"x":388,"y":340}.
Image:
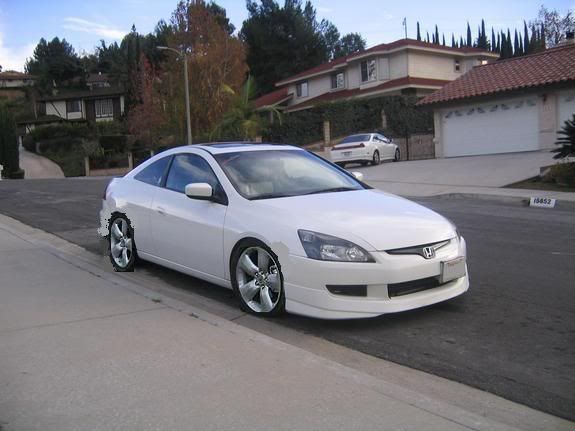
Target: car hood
{"x":372,"y":218}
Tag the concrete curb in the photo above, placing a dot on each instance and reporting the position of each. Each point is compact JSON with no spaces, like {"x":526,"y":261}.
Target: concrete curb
{"x":517,"y":200}
{"x":458,"y":403}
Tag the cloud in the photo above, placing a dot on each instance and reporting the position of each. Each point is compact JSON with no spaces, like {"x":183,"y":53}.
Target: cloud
{"x":14,"y":57}
{"x":79,"y":24}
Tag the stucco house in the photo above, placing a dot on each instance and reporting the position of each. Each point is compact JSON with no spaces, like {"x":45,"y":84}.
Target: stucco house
{"x":508,"y":106}
{"x":13,"y":84}
{"x":405,"y":66}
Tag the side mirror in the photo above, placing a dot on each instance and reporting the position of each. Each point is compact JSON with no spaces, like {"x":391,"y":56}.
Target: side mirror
{"x":358,"y":175}
{"x":202,"y":191}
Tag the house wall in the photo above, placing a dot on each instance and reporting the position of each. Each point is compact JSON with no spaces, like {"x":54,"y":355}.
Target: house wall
{"x":15,"y":83}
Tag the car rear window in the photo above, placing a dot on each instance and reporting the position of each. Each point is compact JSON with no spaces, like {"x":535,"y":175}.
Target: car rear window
{"x":355,"y":138}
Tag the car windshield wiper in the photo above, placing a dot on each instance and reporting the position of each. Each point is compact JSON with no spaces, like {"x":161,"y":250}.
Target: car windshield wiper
{"x":333,"y":189}
{"x":269,"y":196}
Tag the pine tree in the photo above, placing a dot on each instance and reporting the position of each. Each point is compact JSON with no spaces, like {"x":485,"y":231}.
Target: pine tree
{"x":526,"y":48}
{"x":493,"y":41}
{"x":469,"y":40}
{"x":521,"y":49}
{"x":443,"y":35}
{"x":436,"y":35}
{"x":498,"y":46}
{"x":509,"y":44}
{"x":542,"y":39}
{"x":453,"y":43}
{"x":461,"y":44}
{"x":418,"y":32}
{"x":427,"y":40}
{"x":516,"y":52}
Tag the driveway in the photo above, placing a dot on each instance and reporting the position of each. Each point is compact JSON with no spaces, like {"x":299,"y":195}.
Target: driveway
{"x":36,"y":166}
{"x":430,"y":177}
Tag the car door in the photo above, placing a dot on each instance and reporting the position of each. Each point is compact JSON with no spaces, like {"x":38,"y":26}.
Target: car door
{"x":388,"y":147}
{"x":189,"y":232}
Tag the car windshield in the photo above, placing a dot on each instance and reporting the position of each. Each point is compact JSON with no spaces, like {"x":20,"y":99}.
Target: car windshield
{"x":355,"y":138}
{"x":267,"y":174}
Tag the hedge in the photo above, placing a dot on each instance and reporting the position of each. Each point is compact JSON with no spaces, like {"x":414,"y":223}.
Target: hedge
{"x":352,"y":116}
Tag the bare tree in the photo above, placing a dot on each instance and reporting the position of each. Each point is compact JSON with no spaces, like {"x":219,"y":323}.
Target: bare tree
{"x":554,"y":24}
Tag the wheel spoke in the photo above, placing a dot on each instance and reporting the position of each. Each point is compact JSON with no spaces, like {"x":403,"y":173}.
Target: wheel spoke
{"x":265,"y":300}
{"x":116,"y":250}
{"x":124,"y":227}
{"x":249,"y":290}
{"x":125,"y":257}
{"x":263,"y":260}
{"x":116,"y":231}
{"x":128,"y":244}
{"x":274,"y":282}
{"x":248,"y":266}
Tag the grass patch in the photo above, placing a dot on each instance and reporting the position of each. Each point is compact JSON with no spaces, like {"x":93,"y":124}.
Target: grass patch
{"x":560,"y":178}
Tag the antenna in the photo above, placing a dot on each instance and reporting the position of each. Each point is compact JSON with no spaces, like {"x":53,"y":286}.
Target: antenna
{"x":405,"y":26}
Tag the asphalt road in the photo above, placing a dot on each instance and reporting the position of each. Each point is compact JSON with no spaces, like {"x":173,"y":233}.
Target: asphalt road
{"x":512,"y":334}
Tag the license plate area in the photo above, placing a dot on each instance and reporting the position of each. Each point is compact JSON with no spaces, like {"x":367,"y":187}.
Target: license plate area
{"x":346,"y":153}
{"x":452,"y":269}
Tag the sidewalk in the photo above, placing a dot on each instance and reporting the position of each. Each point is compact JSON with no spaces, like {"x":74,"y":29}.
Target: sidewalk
{"x":82,"y":348}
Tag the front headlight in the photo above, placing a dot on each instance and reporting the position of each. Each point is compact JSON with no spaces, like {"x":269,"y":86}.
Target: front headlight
{"x":326,"y":247}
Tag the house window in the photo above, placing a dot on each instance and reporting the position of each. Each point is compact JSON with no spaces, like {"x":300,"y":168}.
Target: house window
{"x":457,"y":66}
{"x":104,"y":108}
{"x":368,"y":70}
{"x":337,"y":80}
{"x":302,"y":89}
{"x":73,"y":106}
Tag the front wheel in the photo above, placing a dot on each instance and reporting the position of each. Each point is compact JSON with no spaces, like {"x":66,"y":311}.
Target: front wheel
{"x":121,"y":244}
{"x":397,"y":156}
{"x":375,"y":160}
{"x":257,"y":279}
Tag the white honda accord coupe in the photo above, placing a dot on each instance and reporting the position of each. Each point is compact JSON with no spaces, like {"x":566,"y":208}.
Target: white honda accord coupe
{"x":364,"y":148}
{"x":285,"y":229}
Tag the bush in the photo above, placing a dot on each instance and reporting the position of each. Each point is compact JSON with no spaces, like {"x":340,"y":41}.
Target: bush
{"x":567,"y":141}
{"x":63,"y":130}
{"x":114,"y":143}
{"x":352,"y":116}
{"x":9,"y":157}
{"x":562,"y":174}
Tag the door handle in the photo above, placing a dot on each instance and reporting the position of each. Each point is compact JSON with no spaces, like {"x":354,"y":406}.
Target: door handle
{"x":161,"y":210}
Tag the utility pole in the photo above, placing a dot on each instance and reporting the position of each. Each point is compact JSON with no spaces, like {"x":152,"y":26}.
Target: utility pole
{"x":182,"y":54}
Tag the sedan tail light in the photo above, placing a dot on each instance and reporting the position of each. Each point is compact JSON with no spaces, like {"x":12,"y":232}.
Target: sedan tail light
{"x":362,"y":145}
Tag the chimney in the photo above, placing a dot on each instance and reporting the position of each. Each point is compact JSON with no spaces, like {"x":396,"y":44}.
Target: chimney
{"x":570,"y":37}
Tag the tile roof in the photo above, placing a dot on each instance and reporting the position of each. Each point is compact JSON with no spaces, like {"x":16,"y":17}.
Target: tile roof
{"x":272,"y":98}
{"x":383,"y":47}
{"x":553,"y":66}
{"x":84,"y":94}
{"x":388,"y":85}
{"x":13,"y":75}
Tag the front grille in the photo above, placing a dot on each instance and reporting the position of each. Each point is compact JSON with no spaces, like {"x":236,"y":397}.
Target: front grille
{"x":413,"y":286}
{"x":348,"y":289}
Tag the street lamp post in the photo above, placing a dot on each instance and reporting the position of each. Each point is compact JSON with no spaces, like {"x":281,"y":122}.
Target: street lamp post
{"x":182,"y":55}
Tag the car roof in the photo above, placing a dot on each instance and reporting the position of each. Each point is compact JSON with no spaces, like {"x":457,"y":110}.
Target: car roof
{"x":232,"y":147}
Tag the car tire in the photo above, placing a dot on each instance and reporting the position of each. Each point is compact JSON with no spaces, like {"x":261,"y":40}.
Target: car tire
{"x":375,"y":160}
{"x":397,"y":156}
{"x":121,"y":244}
{"x":257,"y":279}
{"x":341,"y":164}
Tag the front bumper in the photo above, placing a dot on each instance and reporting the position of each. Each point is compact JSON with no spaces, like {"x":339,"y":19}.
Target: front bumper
{"x":305,"y":283}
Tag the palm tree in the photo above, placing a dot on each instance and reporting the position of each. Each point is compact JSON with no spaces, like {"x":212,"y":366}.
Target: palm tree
{"x":567,"y":141}
{"x":242,"y":120}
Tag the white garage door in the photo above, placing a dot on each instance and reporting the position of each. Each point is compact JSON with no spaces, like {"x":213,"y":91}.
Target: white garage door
{"x":566,"y":107}
{"x":501,"y":127}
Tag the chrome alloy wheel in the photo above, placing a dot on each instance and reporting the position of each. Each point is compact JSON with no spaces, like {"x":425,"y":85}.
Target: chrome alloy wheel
{"x":121,"y":245}
{"x":258,"y":279}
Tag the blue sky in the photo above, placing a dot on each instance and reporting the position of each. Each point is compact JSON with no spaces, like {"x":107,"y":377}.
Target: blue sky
{"x":83,"y":23}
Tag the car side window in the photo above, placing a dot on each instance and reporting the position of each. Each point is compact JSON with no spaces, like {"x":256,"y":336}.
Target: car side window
{"x":190,"y":168}
{"x":154,"y":173}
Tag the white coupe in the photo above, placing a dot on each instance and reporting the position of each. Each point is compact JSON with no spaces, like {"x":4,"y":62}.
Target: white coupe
{"x":285,"y":229}
{"x":365,"y":148}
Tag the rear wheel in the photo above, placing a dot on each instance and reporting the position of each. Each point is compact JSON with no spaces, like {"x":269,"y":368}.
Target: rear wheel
{"x":397,"y":155}
{"x":375,"y":160}
{"x":257,"y":279}
{"x":341,"y":164}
